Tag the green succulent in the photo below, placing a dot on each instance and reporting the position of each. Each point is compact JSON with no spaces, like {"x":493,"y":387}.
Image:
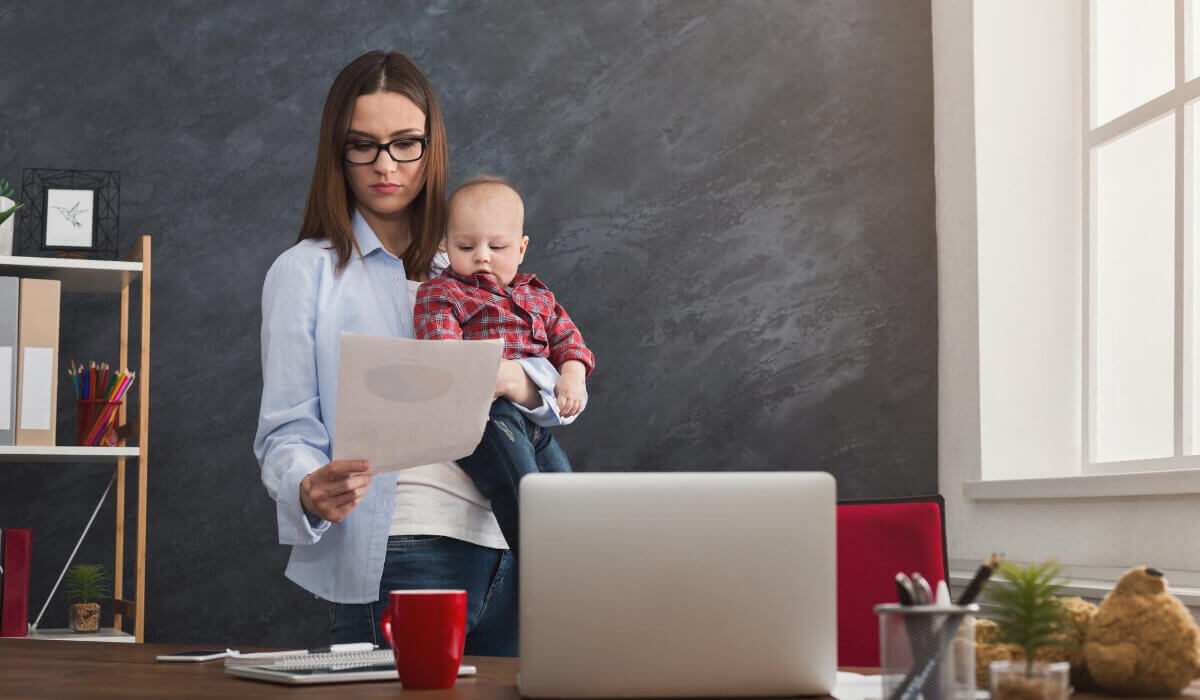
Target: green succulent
{"x":1025,"y":608}
{"x":6,"y":191}
{"x":87,"y":583}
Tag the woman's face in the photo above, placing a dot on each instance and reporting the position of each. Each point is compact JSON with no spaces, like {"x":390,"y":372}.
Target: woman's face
{"x":385,"y":187}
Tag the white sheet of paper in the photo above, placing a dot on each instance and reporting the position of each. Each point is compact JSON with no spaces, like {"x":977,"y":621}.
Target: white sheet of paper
{"x":69,"y":217}
{"x":404,"y":403}
{"x":6,"y":387}
{"x":37,"y":373}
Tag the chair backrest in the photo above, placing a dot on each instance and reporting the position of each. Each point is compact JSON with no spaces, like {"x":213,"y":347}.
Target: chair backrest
{"x":875,"y":540}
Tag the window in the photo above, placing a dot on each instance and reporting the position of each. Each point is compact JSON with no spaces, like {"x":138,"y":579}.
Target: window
{"x":1141,"y":405}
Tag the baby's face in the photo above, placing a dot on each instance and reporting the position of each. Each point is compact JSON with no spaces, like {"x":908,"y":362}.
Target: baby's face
{"x":484,"y":232}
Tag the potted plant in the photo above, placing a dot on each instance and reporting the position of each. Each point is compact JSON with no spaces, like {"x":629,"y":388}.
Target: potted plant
{"x":1028,"y":614}
{"x":87,"y":585}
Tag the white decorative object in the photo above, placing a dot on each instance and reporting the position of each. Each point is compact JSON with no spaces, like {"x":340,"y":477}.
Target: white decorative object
{"x":6,"y":228}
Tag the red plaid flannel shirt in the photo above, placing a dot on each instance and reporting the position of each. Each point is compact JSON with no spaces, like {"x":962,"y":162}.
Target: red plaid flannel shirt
{"x":529,"y":320}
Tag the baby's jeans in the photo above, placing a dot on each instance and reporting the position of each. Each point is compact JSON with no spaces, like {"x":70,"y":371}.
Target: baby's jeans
{"x":512,"y":446}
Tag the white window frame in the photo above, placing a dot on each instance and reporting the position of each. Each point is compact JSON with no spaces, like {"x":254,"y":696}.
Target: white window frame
{"x":1175,"y":101}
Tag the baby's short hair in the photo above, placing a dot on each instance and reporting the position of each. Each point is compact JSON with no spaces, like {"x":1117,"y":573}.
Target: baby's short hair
{"x":483,"y":179}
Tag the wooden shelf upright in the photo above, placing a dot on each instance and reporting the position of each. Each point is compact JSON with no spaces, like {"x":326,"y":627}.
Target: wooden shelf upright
{"x":106,"y":276}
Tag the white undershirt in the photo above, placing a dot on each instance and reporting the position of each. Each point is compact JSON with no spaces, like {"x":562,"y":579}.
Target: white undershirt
{"x":440,"y":499}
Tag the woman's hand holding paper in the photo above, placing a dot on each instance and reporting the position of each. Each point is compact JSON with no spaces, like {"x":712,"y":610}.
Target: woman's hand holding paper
{"x":332,"y":491}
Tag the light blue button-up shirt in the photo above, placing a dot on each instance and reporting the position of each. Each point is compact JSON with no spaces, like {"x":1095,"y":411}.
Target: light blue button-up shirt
{"x":306,"y":307}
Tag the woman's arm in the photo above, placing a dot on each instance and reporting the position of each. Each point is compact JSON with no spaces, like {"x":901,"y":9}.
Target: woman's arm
{"x":291,"y":441}
{"x":514,"y":384}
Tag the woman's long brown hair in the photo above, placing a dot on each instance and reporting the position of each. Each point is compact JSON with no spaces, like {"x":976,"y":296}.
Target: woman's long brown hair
{"x":330,"y":204}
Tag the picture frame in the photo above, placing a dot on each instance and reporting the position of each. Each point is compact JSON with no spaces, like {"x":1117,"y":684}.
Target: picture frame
{"x":70,"y":212}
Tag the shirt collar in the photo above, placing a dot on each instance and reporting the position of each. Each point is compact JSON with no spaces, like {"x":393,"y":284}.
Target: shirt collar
{"x":368,"y":242}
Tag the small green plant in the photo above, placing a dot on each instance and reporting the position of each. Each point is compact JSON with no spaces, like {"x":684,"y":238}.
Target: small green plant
{"x":1025,"y":609}
{"x":6,"y":191}
{"x":87,"y":583}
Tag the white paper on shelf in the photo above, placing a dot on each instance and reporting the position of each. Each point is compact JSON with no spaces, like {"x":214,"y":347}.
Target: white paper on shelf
{"x":405,"y":403}
{"x":37,"y":376}
{"x":6,"y":387}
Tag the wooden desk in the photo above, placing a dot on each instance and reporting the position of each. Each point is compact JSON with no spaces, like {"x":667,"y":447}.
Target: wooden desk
{"x":43,"y":669}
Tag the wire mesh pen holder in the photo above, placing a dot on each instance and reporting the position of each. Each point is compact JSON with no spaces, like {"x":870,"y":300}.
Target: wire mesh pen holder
{"x":927,"y":651}
{"x":96,"y":422}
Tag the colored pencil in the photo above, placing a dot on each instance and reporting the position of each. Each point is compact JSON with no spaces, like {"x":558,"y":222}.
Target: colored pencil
{"x":98,"y":427}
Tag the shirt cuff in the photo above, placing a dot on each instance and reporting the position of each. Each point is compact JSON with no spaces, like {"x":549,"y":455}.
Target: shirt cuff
{"x":296,"y":526}
{"x":545,"y":377}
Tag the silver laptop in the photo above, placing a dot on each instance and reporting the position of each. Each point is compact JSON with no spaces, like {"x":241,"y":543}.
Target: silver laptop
{"x":678,"y":584}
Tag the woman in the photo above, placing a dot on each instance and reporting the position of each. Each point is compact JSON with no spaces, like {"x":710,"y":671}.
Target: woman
{"x":370,"y":234}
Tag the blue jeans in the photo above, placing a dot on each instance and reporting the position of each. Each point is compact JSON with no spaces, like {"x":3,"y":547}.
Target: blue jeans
{"x":512,"y":446}
{"x":489,"y":577}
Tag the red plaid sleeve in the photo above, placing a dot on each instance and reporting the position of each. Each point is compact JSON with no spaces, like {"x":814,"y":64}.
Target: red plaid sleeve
{"x":566,"y":342}
{"x":433,"y":314}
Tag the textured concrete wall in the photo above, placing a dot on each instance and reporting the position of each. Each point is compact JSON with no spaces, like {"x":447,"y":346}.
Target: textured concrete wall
{"x":734,"y":200}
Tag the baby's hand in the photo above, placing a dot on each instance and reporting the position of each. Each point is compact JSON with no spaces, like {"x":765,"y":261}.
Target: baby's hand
{"x":569,"y":392}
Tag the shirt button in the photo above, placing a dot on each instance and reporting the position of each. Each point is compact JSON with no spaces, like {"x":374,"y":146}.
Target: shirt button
{"x":397,"y":279}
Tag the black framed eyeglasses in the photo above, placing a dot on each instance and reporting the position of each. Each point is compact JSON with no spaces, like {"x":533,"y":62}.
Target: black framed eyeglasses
{"x":402,"y":150}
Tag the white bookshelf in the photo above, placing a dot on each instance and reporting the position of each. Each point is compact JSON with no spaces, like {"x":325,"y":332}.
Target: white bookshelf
{"x":65,"y":453}
{"x":102,"y":276}
{"x":117,"y":277}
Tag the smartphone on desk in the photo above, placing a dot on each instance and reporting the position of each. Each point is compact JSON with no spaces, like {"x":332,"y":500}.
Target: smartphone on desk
{"x":197,"y":655}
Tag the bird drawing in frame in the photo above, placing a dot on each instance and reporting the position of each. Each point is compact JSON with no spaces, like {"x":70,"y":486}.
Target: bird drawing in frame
{"x":73,"y":214}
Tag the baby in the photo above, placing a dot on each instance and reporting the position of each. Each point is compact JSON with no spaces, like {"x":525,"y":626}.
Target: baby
{"x":481,"y":295}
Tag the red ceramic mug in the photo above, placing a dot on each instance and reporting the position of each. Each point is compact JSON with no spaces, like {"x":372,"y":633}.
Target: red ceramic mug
{"x":427,"y":629}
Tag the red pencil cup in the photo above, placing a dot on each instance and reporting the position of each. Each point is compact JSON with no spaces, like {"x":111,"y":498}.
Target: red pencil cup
{"x":97,"y":419}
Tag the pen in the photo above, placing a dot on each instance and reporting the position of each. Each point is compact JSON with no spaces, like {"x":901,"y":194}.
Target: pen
{"x":904,"y":590}
{"x":923,"y":629}
{"x":921,"y":586}
{"x":343,"y":648}
{"x":908,"y":596}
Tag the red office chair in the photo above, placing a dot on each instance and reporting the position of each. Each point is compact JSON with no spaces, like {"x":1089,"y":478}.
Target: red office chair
{"x":875,"y":540}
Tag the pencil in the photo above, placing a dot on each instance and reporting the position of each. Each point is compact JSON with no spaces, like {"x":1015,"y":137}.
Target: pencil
{"x":984,"y":572}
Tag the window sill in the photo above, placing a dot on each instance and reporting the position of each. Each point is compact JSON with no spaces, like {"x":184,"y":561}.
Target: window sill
{"x":1092,"y":583}
{"x":1159,"y":483}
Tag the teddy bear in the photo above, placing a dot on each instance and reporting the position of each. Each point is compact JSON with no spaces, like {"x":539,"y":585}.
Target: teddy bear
{"x":1142,"y":640}
{"x":1077,"y":613}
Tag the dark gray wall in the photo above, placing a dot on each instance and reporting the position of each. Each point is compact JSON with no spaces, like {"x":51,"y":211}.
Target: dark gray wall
{"x":734,"y":200}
